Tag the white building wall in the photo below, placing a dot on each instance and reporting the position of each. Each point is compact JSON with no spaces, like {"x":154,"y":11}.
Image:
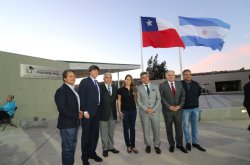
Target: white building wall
{"x":34,"y":97}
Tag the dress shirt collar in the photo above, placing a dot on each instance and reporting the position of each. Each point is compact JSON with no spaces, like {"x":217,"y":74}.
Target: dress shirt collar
{"x":171,"y":82}
{"x":93,"y":79}
{"x":107,"y":85}
{"x":146,"y":84}
{"x":71,"y":86}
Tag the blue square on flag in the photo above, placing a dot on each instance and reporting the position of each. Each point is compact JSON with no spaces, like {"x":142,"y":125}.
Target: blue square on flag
{"x":149,"y":24}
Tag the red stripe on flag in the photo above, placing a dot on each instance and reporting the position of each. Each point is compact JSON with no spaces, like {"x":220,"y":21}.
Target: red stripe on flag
{"x":162,"y":39}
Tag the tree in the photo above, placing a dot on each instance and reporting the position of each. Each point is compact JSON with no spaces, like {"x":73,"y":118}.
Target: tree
{"x":156,"y":71}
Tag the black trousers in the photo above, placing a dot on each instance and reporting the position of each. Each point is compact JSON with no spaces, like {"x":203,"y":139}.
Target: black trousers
{"x":4,"y":115}
{"x":248,"y":111}
{"x":175,"y":118}
{"x":90,"y":135}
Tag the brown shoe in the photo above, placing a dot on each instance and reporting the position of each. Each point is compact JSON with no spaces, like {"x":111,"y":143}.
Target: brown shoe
{"x":135,"y":150}
{"x":129,"y":149}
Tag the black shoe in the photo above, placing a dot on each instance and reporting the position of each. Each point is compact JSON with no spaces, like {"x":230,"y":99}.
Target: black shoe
{"x":188,"y":146}
{"x":158,"y":150}
{"x":85,"y":162}
{"x":199,"y":147}
{"x":96,"y":158}
{"x":248,"y":128}
{"x":148,"y":149}
{"x":171,"y":149}
{"x":105,"y":153}
{"x":115,"y":151}
{"x":182,"y":149}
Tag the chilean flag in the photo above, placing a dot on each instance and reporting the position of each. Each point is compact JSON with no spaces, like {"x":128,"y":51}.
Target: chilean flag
{"x":159,"y":34}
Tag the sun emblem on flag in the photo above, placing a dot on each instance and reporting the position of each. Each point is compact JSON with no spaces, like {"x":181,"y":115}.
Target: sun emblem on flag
{"x":204,"y":32}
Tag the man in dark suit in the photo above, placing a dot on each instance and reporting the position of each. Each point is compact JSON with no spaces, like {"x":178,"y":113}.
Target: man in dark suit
{"x":89,"y":93}
{"x":246,"y":102}
{"x":173,"y":99}
{"x":108,"y":114}
{"x":68,"y":106}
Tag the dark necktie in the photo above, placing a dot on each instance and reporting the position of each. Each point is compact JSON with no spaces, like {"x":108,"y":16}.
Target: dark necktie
{"x":97,"y":88}
{"x":109,"y":89}
{"x":96,"y":85}
{"x":172,"y":88}
{"x":148,"y":91}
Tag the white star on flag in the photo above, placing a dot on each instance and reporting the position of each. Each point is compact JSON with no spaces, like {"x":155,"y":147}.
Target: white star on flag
{"x":149,"y":23}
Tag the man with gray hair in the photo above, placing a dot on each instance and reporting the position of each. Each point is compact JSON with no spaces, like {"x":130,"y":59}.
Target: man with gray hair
{"x":108,"y":114}
{"x":149,"y":101}
{"x":173,"y":99}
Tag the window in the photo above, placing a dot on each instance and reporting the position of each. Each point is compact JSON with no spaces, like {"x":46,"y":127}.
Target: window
{"x":226,"y":86}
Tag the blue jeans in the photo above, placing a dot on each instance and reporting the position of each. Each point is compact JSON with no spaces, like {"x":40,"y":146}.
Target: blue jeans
{"x":129,"y":128}
{"x":192,"y":116}
{"x":69,"y":139}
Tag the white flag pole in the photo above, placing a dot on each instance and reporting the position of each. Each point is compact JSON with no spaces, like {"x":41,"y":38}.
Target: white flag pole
{"x":140,"y":25}
{"x":180,"y":60}
{"x":180,"y":52}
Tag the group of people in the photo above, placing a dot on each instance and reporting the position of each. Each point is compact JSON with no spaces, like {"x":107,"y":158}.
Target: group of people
{"x":94,"y":106}
{"x":7,"y":109}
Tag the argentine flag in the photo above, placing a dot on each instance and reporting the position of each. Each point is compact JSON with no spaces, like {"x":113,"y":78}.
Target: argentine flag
{"x":208,"y":32}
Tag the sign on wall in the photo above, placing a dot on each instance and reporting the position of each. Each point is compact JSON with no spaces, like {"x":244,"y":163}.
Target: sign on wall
{"x":36,"y":71}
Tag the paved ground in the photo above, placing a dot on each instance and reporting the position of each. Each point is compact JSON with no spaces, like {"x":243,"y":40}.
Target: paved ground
{"x":227,"y":143}
{"x":220,"y":101}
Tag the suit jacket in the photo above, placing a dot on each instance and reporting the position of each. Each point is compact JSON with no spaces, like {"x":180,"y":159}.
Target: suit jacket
{"x":246,"y":89}
{"x":192,"y":94}
{"x":108,"y":103}
{"x":153,"y":100}
{"x":67,"y":106}
{"x":168,"y":99}
{"x":89,"y":96}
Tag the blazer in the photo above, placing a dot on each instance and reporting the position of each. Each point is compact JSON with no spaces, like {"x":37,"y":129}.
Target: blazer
{"x":191,"y":95}
{"x":246,"y":102}
{"x":153,"y":100}
{"x":67,"y":106}
{"x":108,"y":103}
{"x":167,"y":97}
{"x":89,"y":96}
